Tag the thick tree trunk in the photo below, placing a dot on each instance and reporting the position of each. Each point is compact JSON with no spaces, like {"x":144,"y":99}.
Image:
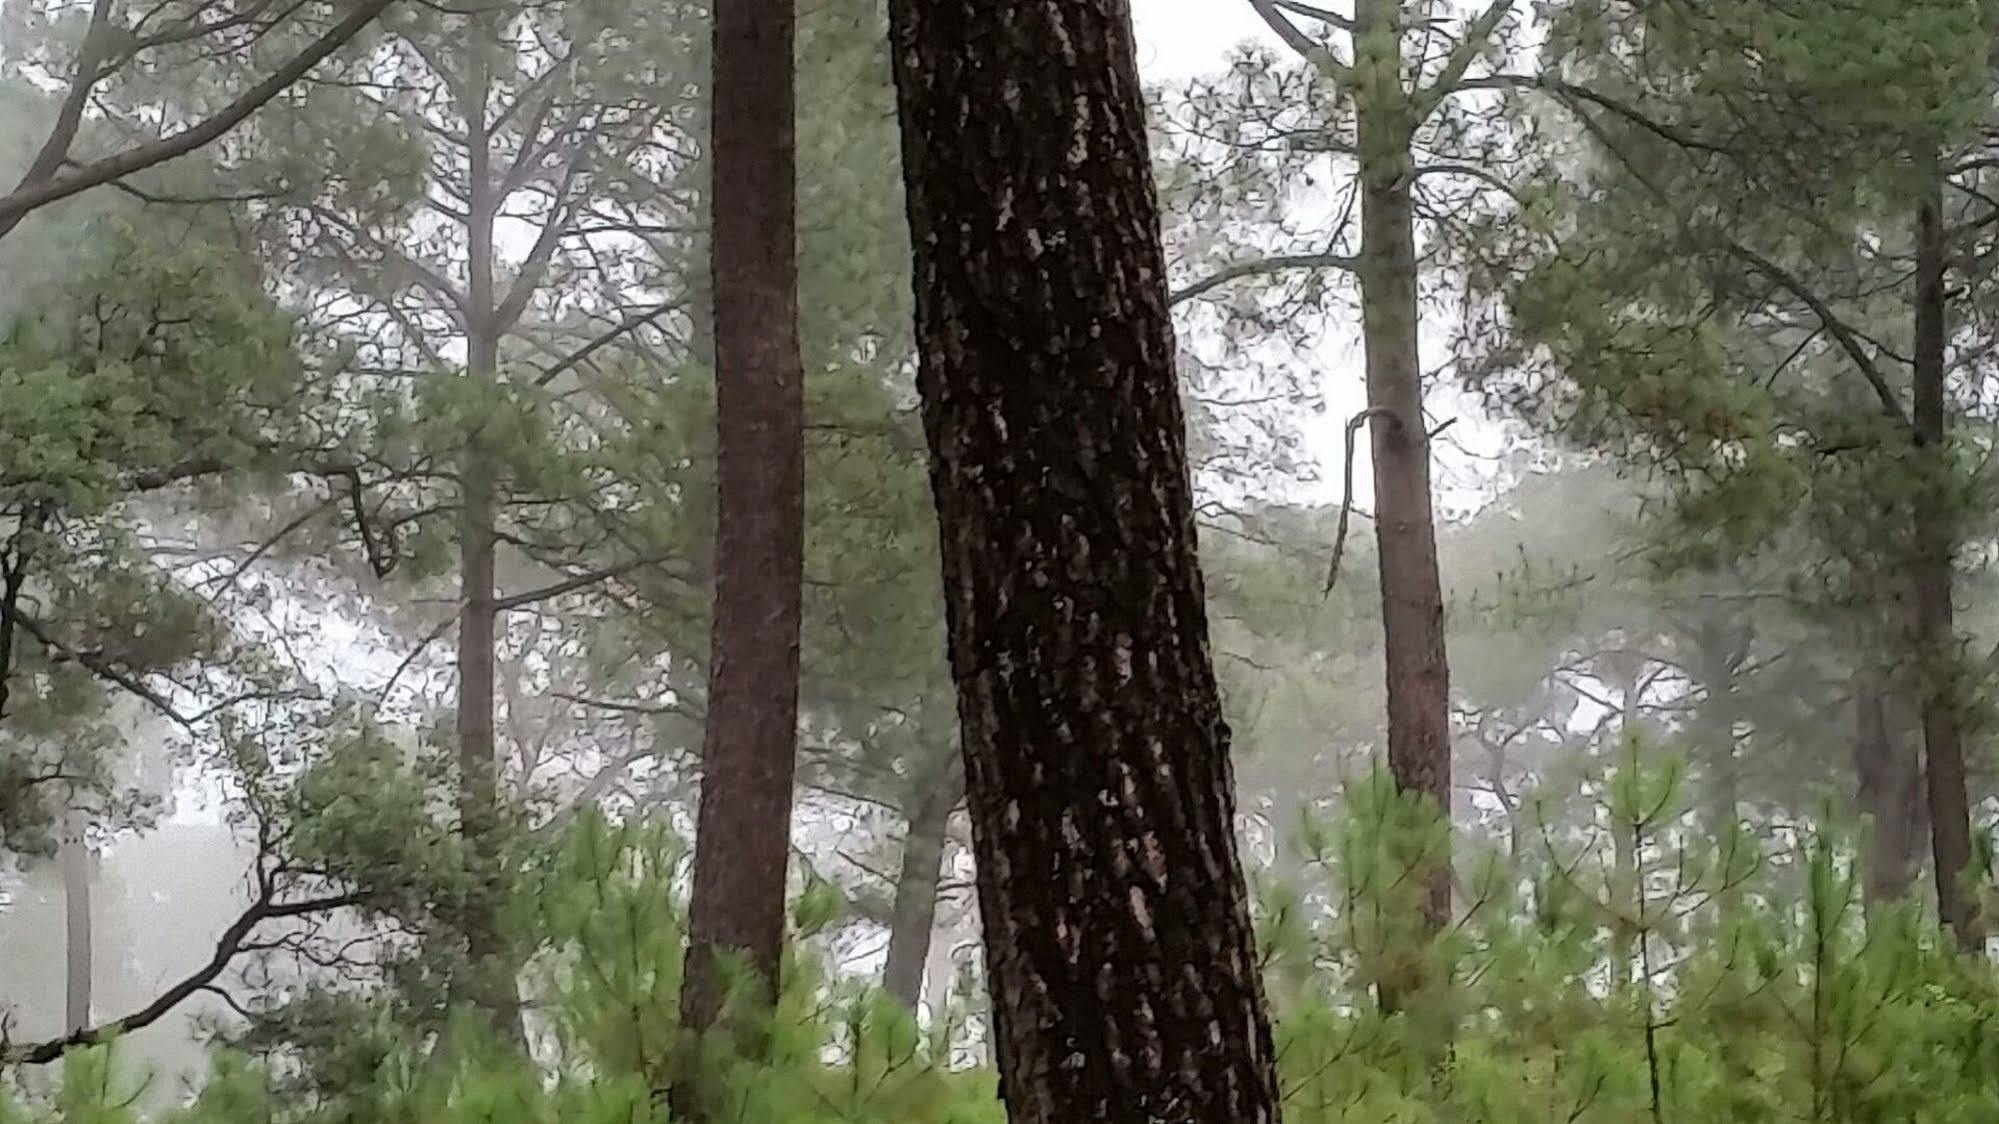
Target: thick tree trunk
{"x":1936,"y":639}
{"x":913,"y":916}
{"x":1412,"y":600}
{"x":744,"y":833}
{"x":79,"y":944}
{"x":1118,"y":947}
{"x":1890,"y":792}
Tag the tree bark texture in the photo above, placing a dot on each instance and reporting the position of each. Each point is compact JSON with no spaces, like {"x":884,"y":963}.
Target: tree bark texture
{"x":913,"y":916}
{"x":1890,"y":791}
{"x":1936,"y":639}
{"x":1118,"y":947}
{"x":749,"y":753}
{"x":1412,"y":600}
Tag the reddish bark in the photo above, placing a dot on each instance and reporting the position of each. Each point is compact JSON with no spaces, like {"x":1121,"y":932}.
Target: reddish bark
{"x":749,"y":754}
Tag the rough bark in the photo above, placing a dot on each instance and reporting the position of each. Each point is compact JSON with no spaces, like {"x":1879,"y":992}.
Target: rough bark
{"x":1412,"y":600}
{"x":913,"y":916}
{"x":1118,"y":947}
{"x":79,"y":941}
{"x":750,"y":750}
{"x":1890,"y":791}
{"x":1936,"y":640}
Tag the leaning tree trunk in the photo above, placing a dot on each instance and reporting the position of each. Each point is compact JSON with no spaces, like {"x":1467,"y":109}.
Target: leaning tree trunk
{"x":1412,"y":599}
{"x":1119,"y":955}
{"x":913,"y":915}
{"x":1936,"y":638}
{"x":749,"y":754}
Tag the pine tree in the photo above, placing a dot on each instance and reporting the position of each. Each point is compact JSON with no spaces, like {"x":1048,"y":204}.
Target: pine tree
{"x":1119,"y":954}
{"x":750,"y":751}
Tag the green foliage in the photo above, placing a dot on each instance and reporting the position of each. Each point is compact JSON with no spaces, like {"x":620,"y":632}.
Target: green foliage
{"x":1631,"y":973}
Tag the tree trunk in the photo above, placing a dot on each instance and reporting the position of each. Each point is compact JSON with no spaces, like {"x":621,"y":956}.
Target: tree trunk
{"x":79,"y":945}
{"x":1412,"y":600}
{"x":913,"y":916}
{"x":750,"y":751}
{"x":493,"y":987}
{"x":1890,"y":792}
{"x":1716,"y":660}
{"x":1119,"y":955}
{"x":1936,"y":640}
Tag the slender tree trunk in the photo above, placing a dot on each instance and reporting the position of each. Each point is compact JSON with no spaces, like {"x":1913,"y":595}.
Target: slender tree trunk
{"x":750,"y":753}
{"x":913,"y":916}
{"x":1412,"y":600}
{"x":1715,"y":734}
{"x":79,"y":947}
{"x":1936,"y":639}
{"x":1119,"y":955}
{"x":494,"y":987}
{"x":1890,"y":791}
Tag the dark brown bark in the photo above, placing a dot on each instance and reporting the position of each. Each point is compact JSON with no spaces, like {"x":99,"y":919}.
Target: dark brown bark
{"x":1890,"y":791}
{"x":913,"y":915}
{"x":1118,"y":948}
{"x":750,"y":751}
{"x":1935,"y":540}
{"x":1412,"y":600}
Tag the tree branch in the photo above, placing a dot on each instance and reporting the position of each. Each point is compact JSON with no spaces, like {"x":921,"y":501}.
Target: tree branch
{"x":106,"y":668}
{"x":1476,"y":38}
{"x":1346,"y":500}
{"x":28,"y":196}
{"x":1282,"y":263}
{"x":1573,"y":92}
{"x":1323,"y":15}
{"x":1308,"y":48}
{"x":572,"y":583}
{"x":232,"y":943}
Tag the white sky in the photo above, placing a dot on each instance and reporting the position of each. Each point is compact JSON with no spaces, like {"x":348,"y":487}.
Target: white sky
{"x":1184,"y":38}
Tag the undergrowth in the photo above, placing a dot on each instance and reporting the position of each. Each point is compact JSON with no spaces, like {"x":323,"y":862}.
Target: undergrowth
{"x":1609,"y":966}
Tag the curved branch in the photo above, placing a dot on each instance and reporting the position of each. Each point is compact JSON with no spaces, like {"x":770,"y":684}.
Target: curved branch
{"x":1346,"y":500}
{"x":36,"y":192}
{"x":233,"y":942}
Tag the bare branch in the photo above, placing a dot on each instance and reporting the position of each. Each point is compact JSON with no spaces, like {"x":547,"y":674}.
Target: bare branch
{"x":234,"y":941}
{"x":572,"y":583}
{"x":1346,"y":499}
{"x":1260,"y":267}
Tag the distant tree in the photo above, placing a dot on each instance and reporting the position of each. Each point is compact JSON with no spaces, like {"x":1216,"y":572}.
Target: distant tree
{"x":1123,"y":974}
{"x":1772,"y":359}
